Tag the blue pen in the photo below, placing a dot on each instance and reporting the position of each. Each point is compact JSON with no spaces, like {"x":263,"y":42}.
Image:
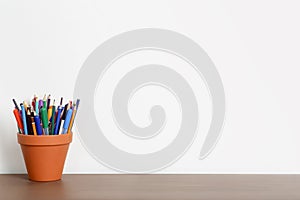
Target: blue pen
{"x":39,"y":129}
{"x":24,"y":119}
{"x":67,"y":121}
{"x":56,"y":131}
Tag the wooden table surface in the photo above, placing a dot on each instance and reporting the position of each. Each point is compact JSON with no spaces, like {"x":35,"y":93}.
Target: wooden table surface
{"x":139,"y":187}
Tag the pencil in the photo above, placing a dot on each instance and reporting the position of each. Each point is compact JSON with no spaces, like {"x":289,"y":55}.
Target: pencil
{"x":25,"y":105}
{"x":33,"y":126}
{"x":53,"y":118}
{"x":72,"y":119}
{"x":44,"y":102}
{"x":49,"y":112}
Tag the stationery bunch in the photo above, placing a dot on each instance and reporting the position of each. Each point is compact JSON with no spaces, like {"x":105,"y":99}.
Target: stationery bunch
{"x":43,"y":118}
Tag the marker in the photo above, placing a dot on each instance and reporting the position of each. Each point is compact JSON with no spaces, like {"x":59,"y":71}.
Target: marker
{"x":45,"y":120}
{"x":41,"y":104}
{"x":56,"y":131}
{"x":67,"y":121}
{"x":19,"y":120}
{"x":38,"y":125}
{"x":24,"y":119}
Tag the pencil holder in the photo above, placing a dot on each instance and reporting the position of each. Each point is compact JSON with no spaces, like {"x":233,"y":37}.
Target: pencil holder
{"x":45,"y":155}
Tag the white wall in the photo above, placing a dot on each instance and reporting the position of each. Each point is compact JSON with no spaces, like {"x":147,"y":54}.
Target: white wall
{"x":254,"y":44}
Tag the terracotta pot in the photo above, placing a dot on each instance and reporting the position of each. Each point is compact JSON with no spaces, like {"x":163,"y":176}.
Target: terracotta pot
{"x":45,"y":155}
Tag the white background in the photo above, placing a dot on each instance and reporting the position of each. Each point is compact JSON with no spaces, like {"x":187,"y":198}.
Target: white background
{"x":255,"y":46}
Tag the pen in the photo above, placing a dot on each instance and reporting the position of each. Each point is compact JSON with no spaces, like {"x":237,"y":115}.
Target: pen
{"x":38,"y":125}
{"x":45,"y":120}
{"x":63,"y":117}
{"x":65,"y":111}
{"x":57,"y":125}
{"x":67,"y":121}
{"x":24,"y":119}
{"x":36,"y":106}
{"x":61,"y":101}
{"x":33,"y":102}
{"x":19,"y":120}
{"x":48,"y":101}
{"x":77,"y":103}
{"x":28,"y":120}
{"x":16,"y":105}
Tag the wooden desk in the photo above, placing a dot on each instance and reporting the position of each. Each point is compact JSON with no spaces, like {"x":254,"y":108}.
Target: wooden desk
{"x":139,"y":187}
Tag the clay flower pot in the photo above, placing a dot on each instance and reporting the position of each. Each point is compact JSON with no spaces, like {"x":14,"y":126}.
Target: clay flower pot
{"x":45,"y":155}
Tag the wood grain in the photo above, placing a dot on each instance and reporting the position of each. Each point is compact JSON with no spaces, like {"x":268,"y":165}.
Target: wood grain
{"x":139,"y":187}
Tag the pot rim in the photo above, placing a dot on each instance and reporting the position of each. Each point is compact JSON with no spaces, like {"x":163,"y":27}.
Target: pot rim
{"x":44,"y":140}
